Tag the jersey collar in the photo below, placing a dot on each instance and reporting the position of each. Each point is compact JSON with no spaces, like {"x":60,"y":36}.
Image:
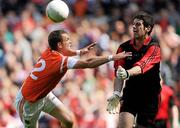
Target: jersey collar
{"x":146,"y":41}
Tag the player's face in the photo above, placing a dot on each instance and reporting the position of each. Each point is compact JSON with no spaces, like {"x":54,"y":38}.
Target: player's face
{"x":138,"y":28}
{"x":64,"y":47}
{"x":66,"y":43}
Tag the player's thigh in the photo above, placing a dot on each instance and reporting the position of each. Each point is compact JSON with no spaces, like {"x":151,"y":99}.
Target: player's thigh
{"x":126,"y":120}
{"x":128,"y":112}
{"x":31,"y":121}
{"x":146,"y":119}
{"x":28,"y":112}
{"x":147,"y":113}
{"x":57,"y":109}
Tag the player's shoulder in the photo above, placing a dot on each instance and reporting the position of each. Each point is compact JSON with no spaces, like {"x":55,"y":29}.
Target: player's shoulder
{"x":46,"y":51}
{"x":125,"y":44}
{"x":51,"y":53}
{"x":52,"y":57}
{"x":154,"y":41}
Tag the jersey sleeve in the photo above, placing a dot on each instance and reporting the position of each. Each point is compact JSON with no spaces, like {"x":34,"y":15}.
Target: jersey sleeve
{"x":71,"y":62}
{"x":120,"y":62}
{"x":152,"y":56}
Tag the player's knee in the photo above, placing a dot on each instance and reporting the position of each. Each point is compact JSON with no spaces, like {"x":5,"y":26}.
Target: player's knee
{"x":70,"y":121}
{"x":68,"y":124}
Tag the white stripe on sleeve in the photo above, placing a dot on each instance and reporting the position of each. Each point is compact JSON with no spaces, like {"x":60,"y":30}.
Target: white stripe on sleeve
{"x":71,"y":62}
{"x":62,"y":63}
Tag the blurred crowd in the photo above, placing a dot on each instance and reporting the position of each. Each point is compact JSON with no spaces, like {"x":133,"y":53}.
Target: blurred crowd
{"x":24,"y":29}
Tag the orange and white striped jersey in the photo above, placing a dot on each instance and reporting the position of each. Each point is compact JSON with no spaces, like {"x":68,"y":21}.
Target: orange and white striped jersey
{"x":47,"y":72}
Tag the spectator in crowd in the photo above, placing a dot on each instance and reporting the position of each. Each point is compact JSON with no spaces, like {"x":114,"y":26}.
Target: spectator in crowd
{"x":168,"y":107}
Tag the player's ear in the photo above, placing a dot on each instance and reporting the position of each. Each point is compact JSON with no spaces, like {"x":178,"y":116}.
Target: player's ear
{"x":59,"y":44}
{"x":148,"y":28}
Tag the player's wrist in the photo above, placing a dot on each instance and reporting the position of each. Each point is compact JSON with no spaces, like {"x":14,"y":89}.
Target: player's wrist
{"x":128,"y":75}
{"x":78,"y":52}
{"x":117,"y":93}
{"x":110,"y":58}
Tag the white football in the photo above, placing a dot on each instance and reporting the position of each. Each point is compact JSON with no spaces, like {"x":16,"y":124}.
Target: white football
{"x":57,"y":10}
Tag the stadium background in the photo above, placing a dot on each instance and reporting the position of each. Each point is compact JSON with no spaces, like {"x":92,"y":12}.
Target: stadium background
{"x":23,"y":36}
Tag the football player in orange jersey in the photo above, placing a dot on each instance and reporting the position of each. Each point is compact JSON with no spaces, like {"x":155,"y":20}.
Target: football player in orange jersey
{"x":35,"y":94}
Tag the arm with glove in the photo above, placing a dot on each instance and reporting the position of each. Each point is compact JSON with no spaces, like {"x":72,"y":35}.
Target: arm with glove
{"x":124,"y":74}
{"x":121,"y":75}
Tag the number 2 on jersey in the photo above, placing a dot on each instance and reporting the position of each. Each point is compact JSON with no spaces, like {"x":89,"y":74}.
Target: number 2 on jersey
{"x":38,"y":69}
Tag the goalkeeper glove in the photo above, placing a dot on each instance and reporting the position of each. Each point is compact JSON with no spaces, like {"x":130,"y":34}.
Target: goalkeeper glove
{"x":114,"y":103}
{"x":122,"y":73}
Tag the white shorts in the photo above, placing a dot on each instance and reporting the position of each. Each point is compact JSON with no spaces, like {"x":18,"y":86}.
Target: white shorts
{"x":29,"y":112}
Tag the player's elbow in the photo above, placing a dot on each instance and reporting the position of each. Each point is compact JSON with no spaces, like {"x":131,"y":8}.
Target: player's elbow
{"x":90,"y":63}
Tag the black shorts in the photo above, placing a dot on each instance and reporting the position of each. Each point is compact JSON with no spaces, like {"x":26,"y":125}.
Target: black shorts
{"x":161,"y":123}
{"x":145,"y":109}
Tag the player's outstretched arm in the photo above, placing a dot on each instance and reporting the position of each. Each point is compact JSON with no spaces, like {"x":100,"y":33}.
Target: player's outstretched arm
{"x":99,"y":60}
{"x":125,"y":74}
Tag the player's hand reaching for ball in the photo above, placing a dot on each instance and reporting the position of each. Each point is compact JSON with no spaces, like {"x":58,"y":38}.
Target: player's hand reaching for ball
{"x":86,"y":49}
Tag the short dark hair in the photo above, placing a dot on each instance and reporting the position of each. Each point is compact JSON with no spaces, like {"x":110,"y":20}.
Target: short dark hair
{"x":147,"y":19}
{"x":55,"y":37}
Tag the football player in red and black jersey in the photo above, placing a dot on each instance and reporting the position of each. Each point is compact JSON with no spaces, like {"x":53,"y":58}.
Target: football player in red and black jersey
{"x":140,"y":76}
